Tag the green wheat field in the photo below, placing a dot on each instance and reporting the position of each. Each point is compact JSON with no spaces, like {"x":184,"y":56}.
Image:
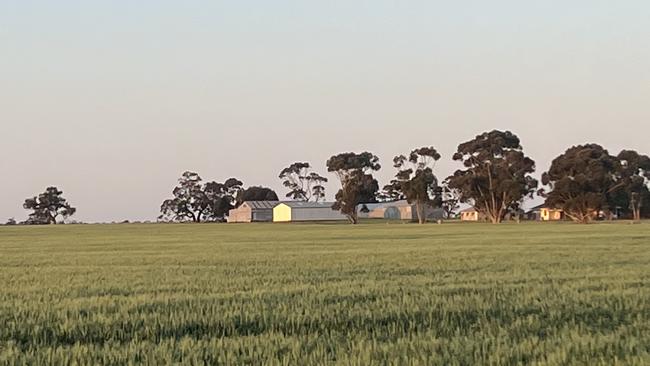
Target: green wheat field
{"x":372,"y":294}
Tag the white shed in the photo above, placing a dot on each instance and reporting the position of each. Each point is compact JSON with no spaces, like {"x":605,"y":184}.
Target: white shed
{"x":306,"y":211}
{"x":253,"y":211}
{"x":397,"y":210}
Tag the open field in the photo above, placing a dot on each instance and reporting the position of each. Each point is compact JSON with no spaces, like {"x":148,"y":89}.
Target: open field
{"x":452,"y":294}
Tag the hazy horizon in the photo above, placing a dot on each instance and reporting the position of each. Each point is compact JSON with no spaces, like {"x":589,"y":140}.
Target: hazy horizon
{"x":111,"y":102}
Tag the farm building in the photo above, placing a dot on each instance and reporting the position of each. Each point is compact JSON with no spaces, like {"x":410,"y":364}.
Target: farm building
{"x":306,"y":211}
{"x":397,"y":210}
{"x":253,"y":211}
{"x":471,"y":214}
{"x":543,"y":213}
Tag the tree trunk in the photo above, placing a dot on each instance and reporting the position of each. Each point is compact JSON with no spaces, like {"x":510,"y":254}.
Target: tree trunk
{"x":494,"y":217}
{"x":585,"y":218}
{"x":419,"y":208}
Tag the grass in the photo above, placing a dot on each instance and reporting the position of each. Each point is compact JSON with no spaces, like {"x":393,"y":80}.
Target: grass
{"x":451,"y":294}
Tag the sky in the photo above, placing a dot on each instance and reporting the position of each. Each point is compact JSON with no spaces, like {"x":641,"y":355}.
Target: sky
{"x":111,"y":101}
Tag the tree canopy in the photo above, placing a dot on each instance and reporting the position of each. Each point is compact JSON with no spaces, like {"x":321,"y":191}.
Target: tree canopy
{"x":634,"y":176}
{"x":357,"y":183}
{"x":580,"y":181}
{"x":256,"y":193}
{"x":48,"y":206}
{"x":497,"y":174}
{"x":449,"y":199}
{"x":303,"y":183}
{"x":415,"y":179}
{"x":194,"y":201}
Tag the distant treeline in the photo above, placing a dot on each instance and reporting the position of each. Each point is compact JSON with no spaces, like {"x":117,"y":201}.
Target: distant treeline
{"x":495,"y":179}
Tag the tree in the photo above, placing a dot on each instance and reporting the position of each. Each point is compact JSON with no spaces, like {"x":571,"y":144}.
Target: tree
{"x":11,"y":221}
{"x":580,"y":181}
{"x":415,"y":179}
{"x":391,"y":192}
{"x":196,"y":202}
{"x":645,"y":206}
{"x":256,"y":193}
{"x":48,"y":206}
{"x":222,"y":197}
{"x":496,"y":175}
{"x":449,"y":197}
{"x":357,"y":185}
{"x":634,"y":175}
{"x":303,"y":183}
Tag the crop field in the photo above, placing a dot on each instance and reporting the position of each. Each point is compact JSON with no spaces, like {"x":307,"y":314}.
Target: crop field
{"x":372,"y":294}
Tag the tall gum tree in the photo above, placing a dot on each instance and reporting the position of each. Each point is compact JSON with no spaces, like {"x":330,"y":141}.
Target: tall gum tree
{"x":634,"y":175}
{"x":303,"y":183}
{"x":415,"y":179}
{"x":580,"y":180}
{"x":357,"y":183}
{"x":497,"y":174}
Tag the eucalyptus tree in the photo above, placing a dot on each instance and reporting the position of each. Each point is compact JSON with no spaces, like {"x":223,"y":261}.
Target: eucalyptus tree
{"x":303,"y":183}
{"x":48,"y":207}
{"x":634,"y":177}
{"x":415,"y":179}
{"x":256,"y":193}
{"x":354,"y":171}
{"x":449,"y":199}
{"x":496,"y":175}
{"x":580,"y":181}
{"x":194,"y":201}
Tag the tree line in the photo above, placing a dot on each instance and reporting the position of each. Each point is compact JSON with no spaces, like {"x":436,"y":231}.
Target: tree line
{"x":495,"y":179}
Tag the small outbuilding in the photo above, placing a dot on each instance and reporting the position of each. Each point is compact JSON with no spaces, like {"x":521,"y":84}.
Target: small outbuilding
{"x":306,"y":211}
{"x":544,"y":213}
{"x":471,"y":214}
{"x":253,"y":211}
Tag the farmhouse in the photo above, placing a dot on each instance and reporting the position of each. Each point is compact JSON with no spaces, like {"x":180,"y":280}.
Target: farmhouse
{"x":544,"y":213}
{"x":253,"y":211}
{"x":306,"y":211}
{"x":397,"y":210}
{"x":471,"y":214}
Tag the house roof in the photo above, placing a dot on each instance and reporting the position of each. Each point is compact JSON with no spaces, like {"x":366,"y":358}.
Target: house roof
{"x":302,"y":204}
{"x":539,"y":207}
{"x":469,"y":209}
{"x":261,"y":204}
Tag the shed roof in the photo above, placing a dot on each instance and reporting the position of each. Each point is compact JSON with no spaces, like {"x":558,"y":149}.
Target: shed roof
{"x":261,"y":204}
{"x":375,"y":205}
{"x":469,"y":209}
{"x":302,"y":204}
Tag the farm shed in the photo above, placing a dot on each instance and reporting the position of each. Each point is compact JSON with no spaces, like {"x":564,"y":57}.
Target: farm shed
{"x":369,"y":210}
{"x":253,"y":211}
{"x":306,"y":211}
{"x":398,"y":210}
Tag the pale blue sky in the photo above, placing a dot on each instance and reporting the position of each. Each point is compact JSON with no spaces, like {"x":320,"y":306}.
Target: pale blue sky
{"x":112,"y":100}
